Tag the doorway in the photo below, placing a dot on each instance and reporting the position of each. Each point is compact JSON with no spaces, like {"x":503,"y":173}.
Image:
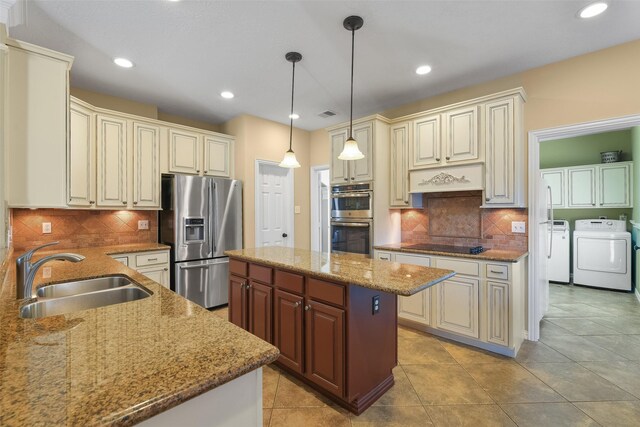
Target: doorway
{"x":538,"y":292}
{"x":320,"y":208}
{"x":274,"y":205}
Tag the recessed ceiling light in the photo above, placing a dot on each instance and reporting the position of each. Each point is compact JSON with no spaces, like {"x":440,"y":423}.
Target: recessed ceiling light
{"x":294,"y":116}
{"x":226,"y":94}
{"x":594,"y":9}
{"x":123,"y":62}
{"x":423,"y":69}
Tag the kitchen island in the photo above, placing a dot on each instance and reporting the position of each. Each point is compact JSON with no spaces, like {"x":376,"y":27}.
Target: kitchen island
{"x":125,"y":363}
{"x":332,"y":316}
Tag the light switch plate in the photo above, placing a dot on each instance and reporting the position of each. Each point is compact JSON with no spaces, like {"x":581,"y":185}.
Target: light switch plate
{"x":518,"y":227}
{"x":143,"y":224}
{"x":46,"y":272}
{"x":296,"y":209}
{"x":46,"y":228}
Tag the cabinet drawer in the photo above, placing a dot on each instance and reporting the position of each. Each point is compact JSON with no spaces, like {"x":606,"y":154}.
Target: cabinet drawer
{"x":498,"y":271}
{"x":289,"y":281}
{"x":261,"y":273}
{"x":332,"y":293}
{"x":239,"y":268}
{"x":151,"y":259}
{"x":469,"y":268}
{"x":122,"y":260}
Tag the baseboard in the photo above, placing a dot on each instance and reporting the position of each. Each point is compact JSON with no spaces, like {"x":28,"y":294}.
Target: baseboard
{"x":637,"y":293}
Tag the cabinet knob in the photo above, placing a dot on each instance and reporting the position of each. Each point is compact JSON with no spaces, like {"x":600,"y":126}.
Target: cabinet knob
{"x":205,"y":171}
{"x":346,"y":179}
{"x":307,"y":307}
{"x":486,"y":199}
{"x":406,"y":202}
{"x":437,"y":159}
{"x":297,"y":304}
{"x":593,"y":204}
{"x":165,"y":269}
{"x":249,"y":286}
{"x":91,"y":202}
{"x":124,"y":202}
{"x":447,"y":158}
{"x":197,"y":170}
{"x":135,"y":203}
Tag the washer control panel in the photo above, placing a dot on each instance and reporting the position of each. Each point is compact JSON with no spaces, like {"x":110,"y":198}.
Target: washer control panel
{"x":600,"y":225}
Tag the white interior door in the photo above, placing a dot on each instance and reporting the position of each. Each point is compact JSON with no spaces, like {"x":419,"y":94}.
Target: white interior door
{"x":274,"y":205}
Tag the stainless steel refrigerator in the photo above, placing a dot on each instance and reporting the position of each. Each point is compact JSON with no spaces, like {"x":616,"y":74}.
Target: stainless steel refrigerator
{"x":201,"y":218}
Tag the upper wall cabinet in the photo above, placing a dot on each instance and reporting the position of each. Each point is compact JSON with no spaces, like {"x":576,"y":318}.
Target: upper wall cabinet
{"x":351,"y":171}
{"x":81,"y":184}
{"x":425,"y":149}
{"x":399,"y":150}
{"x":146,"y":165}
{"x":199,"y":153}
{"x":37,"y":108}
{"x":112,"y":161}
{"x":607,"y":185}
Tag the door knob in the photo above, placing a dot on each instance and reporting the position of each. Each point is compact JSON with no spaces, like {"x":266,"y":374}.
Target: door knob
{"x":285,"y":235}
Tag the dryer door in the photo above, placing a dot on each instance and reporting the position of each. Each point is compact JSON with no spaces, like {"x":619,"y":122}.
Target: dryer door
{"x":603,"y":255}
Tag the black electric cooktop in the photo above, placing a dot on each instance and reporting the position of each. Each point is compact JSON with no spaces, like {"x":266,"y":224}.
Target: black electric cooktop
{"x":447,"y":248}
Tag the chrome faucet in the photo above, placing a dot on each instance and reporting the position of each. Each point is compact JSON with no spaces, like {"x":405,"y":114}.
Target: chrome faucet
{"x":26,"y":272}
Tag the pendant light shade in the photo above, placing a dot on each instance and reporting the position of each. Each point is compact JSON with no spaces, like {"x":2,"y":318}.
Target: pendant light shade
{"x":351,"y":150}
{"x":289,"y":160}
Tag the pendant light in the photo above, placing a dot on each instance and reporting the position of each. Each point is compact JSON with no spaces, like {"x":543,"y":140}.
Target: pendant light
{"x":351,"y":150}
{"x":289,"y":160}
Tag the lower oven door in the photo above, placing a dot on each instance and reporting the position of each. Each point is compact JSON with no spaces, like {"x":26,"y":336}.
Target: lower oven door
{"x":355,"y":237}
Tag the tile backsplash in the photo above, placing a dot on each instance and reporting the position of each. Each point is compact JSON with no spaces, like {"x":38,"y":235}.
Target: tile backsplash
{"x":457,"y":219}
{"x":81,"y":228}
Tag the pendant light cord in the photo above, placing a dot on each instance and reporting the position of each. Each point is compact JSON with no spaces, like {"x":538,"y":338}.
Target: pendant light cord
{"x":353,"y":38}
{"x":293,"y":80}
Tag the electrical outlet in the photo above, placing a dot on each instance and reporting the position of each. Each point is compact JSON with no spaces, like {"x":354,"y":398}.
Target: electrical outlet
{"x":46,"y":228}
{"x":143,"y":224}
{"x":46,"y":272}
{"x":375,"y":305}
{"x":518,"y":227}
{"x":297,"y":209}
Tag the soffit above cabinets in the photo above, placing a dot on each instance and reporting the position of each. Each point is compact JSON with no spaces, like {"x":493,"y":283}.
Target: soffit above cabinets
{"x":185,"y":53}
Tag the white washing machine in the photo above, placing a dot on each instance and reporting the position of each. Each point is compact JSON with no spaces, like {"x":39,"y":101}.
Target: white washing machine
{"x":558,"y":265}
{"x":602,"y":254}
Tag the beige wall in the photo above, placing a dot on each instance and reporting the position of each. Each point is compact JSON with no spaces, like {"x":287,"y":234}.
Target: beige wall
{"x":320,"y":148}
{"x":260,"y":139}
{"x":137,"y":108}
{"x":598,"y":85}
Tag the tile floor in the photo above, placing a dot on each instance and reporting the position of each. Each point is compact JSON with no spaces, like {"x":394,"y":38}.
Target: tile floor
{"x":585,"y":371}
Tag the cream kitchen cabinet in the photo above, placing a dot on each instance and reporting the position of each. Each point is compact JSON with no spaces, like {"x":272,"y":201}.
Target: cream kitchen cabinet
{"x":504,"y":152}
{"x":606,"y":185}
{"x":351,"y":171}
{"x":482,"y":305}
{"x":399,"y":149}
{"x":424,"y":148}
{"x":114,"y":160}
{"x":111,"y":157}
{"x":36,"y":125}
{"x":199,"y":153}
{"x":152,"y":264}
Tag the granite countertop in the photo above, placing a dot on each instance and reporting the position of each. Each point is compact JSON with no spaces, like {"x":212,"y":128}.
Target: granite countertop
{"x":488,"y":255}
{"x":392,"y":277}
{"x":115,"y":365}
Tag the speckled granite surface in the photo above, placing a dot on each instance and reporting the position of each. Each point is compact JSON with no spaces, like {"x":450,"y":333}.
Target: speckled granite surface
{"x":488,"y":255}
{"x":399,"y":279}
{"x":115,"y":365}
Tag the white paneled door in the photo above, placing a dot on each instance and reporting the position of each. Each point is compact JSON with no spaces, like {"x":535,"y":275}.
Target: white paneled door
{"x":274,"y":205}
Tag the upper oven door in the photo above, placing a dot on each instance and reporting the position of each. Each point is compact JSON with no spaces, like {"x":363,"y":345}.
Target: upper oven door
{"x":352,"y":205}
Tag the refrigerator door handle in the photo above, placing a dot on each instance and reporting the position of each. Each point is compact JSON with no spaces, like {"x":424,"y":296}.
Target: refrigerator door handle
{"x":550,"y":219}
{"x":212,"y":216}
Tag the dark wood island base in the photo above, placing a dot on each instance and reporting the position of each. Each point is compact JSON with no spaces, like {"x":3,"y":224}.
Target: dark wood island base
{"x":329,"y":334}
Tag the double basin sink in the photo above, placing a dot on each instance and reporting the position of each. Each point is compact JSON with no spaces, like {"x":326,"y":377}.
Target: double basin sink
{"x":69,"y":297}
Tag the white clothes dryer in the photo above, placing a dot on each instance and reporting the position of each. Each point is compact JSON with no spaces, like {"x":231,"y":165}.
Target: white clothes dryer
{"x":602,"y":254}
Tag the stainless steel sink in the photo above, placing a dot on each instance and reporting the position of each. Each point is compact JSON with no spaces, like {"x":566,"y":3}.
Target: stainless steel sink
{"x":82,"y":286}
{"x":73,"y":303}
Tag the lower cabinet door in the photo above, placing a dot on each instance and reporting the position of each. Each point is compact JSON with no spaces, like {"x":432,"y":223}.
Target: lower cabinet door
{"x":288,"y":329}
{"x":325,"y":346}
{"x":498,"y":313}
{"x":457,"y":306}
{"x":158,"y":274}
{"x":260,"y":297}
{"x":238,"y":301}
{"x":416,"y":307}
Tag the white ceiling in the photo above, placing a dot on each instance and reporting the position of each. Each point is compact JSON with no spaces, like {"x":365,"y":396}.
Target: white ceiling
{"x":187,"y":52}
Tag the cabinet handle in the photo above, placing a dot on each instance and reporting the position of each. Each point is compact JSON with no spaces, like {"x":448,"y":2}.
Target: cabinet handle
{"x":297,"y":304}
{"x":152,"y":259}
{"x":496,"y":272}
{"x":91,"y":202}
{"x":307,"y":307}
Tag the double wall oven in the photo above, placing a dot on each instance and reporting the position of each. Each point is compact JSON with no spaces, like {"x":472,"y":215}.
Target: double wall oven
{"x":352,"y":219}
